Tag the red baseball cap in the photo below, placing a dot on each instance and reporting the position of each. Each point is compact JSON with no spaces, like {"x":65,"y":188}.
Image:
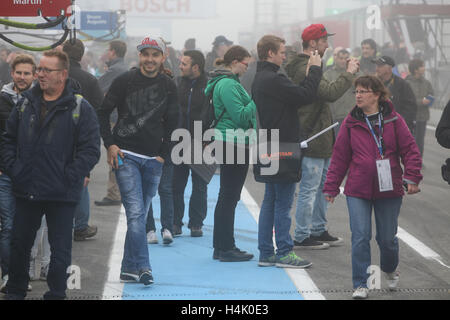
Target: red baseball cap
{"x":315,"y":31}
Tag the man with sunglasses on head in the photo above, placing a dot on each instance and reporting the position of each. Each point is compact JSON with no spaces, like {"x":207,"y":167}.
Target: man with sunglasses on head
{"x":52,"y":142}
{"x":311,"y":227}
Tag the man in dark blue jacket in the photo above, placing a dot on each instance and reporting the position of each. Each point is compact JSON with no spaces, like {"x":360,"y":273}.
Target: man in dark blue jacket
{"x":277,"y":100}
{"x":52,"y":142}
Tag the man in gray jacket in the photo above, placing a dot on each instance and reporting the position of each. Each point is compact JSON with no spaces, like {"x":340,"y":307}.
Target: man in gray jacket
{"x":116,"y":67}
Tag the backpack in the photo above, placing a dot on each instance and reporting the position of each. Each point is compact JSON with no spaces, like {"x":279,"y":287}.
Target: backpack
{"x":209,"y":120}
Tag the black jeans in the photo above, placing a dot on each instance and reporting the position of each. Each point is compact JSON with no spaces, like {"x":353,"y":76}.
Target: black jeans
{"x":198,"y":203}
{"x":27,"y":220}
{"x":232,"y":179}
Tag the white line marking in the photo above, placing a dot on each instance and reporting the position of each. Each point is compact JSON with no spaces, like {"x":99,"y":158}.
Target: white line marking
{"x":113,"y":289}
{"x":302,"y":281}
{"x":419,"y":247}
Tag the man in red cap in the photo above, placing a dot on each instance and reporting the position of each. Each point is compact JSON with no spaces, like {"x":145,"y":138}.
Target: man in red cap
{"x":311,"y":224}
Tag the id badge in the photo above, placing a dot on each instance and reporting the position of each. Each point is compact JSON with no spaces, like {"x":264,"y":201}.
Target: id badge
{"x":385,"y":175}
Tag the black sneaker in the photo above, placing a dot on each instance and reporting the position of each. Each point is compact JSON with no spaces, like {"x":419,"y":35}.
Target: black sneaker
{"x":131,"y":276}
{"x":328,"y":238}
{"x":235,"y":255}
{"x":177,"y":231}
{"x":217,"y":254}
{"x":107,"y":202}
{"x":81,"y":235}
{"x":196,"y":232}
{"x":310,"y":244}
{"x":146,"y":277}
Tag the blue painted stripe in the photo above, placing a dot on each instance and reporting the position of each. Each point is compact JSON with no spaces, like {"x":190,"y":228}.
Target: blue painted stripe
{"x":186,"y":270}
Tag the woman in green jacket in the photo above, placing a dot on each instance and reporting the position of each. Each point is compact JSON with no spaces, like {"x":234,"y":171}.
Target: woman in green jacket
{"x":236,"y":111}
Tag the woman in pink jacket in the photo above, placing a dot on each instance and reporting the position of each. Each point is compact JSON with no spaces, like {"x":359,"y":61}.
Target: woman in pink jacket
{"x":372,"y":141}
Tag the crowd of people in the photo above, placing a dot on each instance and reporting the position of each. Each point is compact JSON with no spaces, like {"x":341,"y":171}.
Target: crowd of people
{"x":54,"y":113}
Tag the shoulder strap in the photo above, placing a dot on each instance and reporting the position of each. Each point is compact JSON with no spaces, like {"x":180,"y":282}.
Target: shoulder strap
{"x":21,"y":108}
{"x":77,"y":110}
{"x":211,"y":100}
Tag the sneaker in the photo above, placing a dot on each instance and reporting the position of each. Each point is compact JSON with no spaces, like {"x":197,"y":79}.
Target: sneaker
{"x":29,"y":288}
{"x":291,"y":260}
{"x":392,"y":280}
{"x":177,"y":231}
{"x":32,"y":271}
{"x":107,"y":202}
{"x":268,"y":262}
{"x":129,"y":276}
{"x":152,"y":238}
{"x":329,"y":239}
{"x":3,"y":286}
{"x":311,"y":244}
{"x":196,"y":232}
{"x":235,"y":255}
{"x":146,"y":278}
{"x":167,"y":236}
{"x":361,"y":293}
{"x":217,"y":253}
{"x":87,"y":233}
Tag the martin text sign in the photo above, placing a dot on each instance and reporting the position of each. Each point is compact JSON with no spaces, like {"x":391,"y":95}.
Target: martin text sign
{"x":31,"y":8}
{"x":161,"y":9}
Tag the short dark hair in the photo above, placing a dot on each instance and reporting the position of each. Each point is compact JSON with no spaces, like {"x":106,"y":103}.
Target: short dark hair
{"x":269,"y":43}
{"x":75,"y":51}
{"x":62,"y":57}
{"x":371,"y":43}
{"x":234,"y":53}
{"x":415,"y":65}
{"x":119,"y":47}
{"x":23,"y":59}
{"x":197,"y":59}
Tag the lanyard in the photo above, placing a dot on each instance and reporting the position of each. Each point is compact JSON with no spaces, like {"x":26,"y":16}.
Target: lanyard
{"x":378,"y":140}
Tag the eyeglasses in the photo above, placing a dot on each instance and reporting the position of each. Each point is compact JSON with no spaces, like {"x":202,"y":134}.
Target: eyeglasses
{"x":46,"y":70}
{"x":361,"y":92}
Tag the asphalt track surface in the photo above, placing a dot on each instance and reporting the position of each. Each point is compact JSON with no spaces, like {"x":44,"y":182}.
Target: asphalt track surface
{"x":185,"y":270}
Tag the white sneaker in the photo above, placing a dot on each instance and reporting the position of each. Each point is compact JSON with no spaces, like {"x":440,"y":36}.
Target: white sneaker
{"x":392,"y":280}
{"x":167,"y":236}
{"x":152,"y":238}
{"x":3,"y":286}
{"x":361,"y":293}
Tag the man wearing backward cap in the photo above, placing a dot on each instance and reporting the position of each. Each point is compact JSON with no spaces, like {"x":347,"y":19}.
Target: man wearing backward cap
{"x":311,"y":224}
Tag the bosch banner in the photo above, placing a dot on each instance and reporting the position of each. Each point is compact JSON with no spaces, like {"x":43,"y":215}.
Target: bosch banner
{"x":31,"y":8}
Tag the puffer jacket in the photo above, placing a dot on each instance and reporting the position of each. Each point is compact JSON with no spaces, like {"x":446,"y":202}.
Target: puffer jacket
{"x":356,"y":153}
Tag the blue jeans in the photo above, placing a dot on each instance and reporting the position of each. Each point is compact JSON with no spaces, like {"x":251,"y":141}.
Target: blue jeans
{"x":386,"y":218}
{"x":82,"y":211}
{"x":27,"y":220}
{"x":166,"y":201}
{"x":311,"y":204}
{"x":275,"y":211}
{"x":7,"y":211}
{"x":138,"y":181}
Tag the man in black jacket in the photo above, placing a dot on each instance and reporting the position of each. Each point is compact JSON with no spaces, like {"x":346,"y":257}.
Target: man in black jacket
{"x":147,"y":105}
{"x":23,"y":75}
{"x":52,"y":142}
{"x":191,"y":94}
{"x":403,"y":96}
{"x":277,"y":100}
{"x":92,"y":93}
{"x":443,"y":129}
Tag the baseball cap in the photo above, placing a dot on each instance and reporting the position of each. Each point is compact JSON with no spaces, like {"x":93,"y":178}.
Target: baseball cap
{"x":315,"y":31}
{"x":222,"y":40}
{"x":154,"y":43}
{"x":384,"y":60}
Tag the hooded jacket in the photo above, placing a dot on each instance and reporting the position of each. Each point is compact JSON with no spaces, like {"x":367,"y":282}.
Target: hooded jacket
{"x":116,"y":67}
{"x":317,"y":116}
{"x":48,"y":162}
{"x":240,"y":110}
{"x":356,"y":153}
{"x":8,"y":99}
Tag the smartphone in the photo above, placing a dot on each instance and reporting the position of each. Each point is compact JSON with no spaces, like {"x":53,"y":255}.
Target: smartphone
{"x":119,"y":160}
{"x":405,"y":185}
